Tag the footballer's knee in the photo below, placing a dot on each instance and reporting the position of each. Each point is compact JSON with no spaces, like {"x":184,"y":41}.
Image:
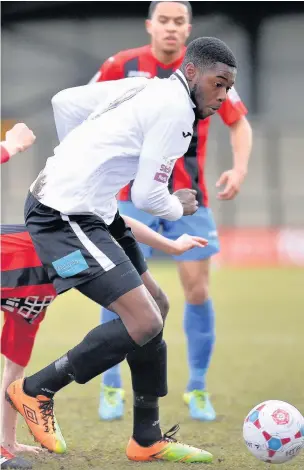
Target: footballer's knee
{"x":156,"y":293}
{"x":149,"y":322}
{"x":150,"y":328}
{"x":162,"y":302}
{"x":197,"y":293}
{"x":195,"y":280}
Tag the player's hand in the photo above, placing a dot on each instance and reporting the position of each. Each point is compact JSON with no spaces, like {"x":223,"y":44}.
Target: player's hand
{"x":188,"y":200}
{"x":231,"y":180}
{"x":19,"y":138}
{"x":16,"y":448}
{"x":187,"y":242}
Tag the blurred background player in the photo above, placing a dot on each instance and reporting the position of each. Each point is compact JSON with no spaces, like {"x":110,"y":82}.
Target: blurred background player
{"x":169,"y":25}
{"x":17,"y":139}
{"x":26,"y":293}
{"x":14,"y":335}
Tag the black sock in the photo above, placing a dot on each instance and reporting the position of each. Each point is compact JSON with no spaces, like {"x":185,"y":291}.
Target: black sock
{"x":146,"y":429}
{"x":51,"y":379}
{"x":148,"y":366}
{"x":102,"y":348}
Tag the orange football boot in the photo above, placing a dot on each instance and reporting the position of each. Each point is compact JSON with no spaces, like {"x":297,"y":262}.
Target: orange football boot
{"x":39,"y":415}
{"x":168,"y":449}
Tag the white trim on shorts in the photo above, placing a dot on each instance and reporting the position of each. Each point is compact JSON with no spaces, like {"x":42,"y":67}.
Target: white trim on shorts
{"x":94,"y":251}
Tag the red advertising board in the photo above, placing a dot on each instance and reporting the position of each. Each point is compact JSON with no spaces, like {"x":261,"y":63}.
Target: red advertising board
{"x":261,"y":247}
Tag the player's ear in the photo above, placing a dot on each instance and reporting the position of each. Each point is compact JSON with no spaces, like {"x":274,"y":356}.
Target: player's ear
{"x":148,"y":26}
{"x":190,"y":71}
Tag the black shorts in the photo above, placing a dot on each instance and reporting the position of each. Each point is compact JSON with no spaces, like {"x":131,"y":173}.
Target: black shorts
{"x":77,"y":248}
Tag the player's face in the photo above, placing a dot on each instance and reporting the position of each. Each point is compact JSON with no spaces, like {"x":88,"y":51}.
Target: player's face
{"x":169,"y":26}
{"x":209,"y":88}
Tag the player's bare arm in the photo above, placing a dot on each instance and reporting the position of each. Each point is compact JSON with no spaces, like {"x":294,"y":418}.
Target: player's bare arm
{"x":241,"y":142}
{"x":157,"y":241}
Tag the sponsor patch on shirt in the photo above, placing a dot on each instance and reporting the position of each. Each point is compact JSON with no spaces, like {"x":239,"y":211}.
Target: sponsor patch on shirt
{"x":70,"y":265}
{"x":161,"y":177}
{"x":166,"y":168}
{"x":139,"y":73}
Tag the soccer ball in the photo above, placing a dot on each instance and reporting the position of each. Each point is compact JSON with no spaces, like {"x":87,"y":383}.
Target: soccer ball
{"x":274,"y":431}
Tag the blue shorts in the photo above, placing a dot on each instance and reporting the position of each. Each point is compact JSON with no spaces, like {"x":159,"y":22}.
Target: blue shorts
{"x":200,"y":224}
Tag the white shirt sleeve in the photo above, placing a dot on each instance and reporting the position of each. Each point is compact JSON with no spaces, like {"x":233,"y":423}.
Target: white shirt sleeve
{"x":73,"y":106}
{"x":164,"y":142}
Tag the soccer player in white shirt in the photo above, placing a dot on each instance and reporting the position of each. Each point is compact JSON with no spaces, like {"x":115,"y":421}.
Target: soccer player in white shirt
{"x":136,"y":133}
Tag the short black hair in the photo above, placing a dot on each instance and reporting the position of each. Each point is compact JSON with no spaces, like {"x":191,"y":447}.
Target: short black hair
{"x":205,"y":52}
{"x":153,"y":5}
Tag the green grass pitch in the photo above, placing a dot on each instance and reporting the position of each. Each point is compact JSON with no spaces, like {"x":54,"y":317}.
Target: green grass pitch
{"x":258,"y":356}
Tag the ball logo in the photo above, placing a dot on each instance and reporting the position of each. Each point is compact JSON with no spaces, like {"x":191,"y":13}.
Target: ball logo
{"x":280,"y":417}
{"x":294,"y":451}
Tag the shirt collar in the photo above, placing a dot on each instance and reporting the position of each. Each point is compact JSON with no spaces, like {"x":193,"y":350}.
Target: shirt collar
{"x":181,"y":77}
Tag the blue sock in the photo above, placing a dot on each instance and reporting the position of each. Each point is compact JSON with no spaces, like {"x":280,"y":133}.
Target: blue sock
{"x":199,"y":329}
{"x":111,"y":377}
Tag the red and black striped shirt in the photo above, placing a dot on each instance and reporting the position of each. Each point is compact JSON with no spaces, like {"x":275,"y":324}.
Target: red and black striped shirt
{"x":189,"y":171}
{"x":26,"y":290}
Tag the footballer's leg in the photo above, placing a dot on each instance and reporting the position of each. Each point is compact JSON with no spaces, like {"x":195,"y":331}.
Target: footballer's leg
{"x":103,"y":347}
{"x":148,"y":366}
{"x":9,"y":445}
{"x":200,"y":332}
{"x":111,"y":403}
{"x":17,"y":340}
{"x":194,"y":271}
{"x":11,"y":372}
